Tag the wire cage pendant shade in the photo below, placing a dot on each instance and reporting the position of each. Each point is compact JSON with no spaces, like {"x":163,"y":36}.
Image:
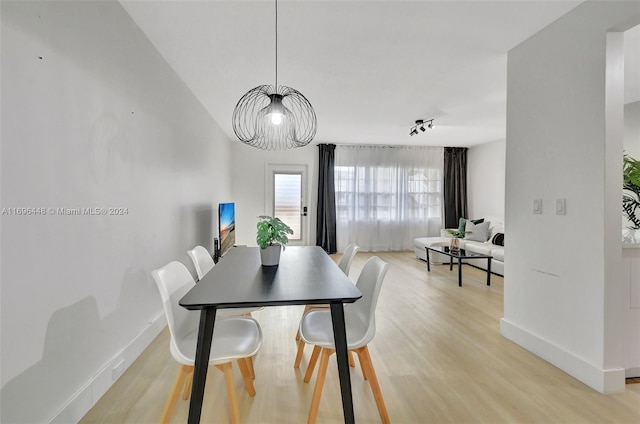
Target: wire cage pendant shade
{"x":274,"y":117}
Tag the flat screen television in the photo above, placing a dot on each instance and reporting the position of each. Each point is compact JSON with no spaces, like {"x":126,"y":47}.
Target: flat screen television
{"x":227,"y":226}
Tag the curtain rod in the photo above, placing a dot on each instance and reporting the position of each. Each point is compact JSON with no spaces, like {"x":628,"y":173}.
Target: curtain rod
{"x":382,"y":145}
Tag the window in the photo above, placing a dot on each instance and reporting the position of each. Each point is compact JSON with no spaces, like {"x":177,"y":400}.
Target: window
{"x":386,"y":197}
{"x":287,"y":201}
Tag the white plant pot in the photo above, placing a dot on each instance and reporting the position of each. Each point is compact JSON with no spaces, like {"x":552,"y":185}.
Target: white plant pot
{"x":271,"y":255}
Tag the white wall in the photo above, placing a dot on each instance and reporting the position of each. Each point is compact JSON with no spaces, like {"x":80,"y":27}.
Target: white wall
{"x":631,"y":310}
{"x":564,"y":140}
{"x":485,"y":180}
{"x":92,"y":116}
{"x":248,"y":186}
{"x":632,"y":129}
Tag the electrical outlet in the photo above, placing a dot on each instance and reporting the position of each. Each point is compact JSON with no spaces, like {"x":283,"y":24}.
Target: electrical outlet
{"x":117,"y":370}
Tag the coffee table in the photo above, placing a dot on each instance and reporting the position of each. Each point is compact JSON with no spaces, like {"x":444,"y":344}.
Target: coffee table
{"x":459,"y":254}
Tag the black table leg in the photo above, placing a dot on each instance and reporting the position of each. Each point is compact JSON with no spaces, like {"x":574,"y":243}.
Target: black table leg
{"x":459,"y":272}
{"x":203,"y":349}
{"x":488,"y":271}
{"x":428,"y":265}
{"x":450,"y":263}
{"x":340,"y":337}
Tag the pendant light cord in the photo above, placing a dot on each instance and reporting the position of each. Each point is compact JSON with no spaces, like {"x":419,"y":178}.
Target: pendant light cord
{"x":276,"y":46}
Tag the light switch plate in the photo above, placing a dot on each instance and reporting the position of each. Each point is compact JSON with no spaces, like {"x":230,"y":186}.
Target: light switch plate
{"x":537,"y":206}
{"x":561,"y":206}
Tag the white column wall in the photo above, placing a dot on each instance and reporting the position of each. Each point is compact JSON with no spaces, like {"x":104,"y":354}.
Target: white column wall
{"x":562,"y":281}
{"x":92,"y":117}
{"x":485,"y":180}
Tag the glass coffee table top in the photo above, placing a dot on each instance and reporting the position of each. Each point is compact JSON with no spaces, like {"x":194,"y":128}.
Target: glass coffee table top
{"x":460,"y":253}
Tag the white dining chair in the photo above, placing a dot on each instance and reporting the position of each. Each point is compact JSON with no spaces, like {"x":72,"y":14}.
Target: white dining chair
{"x":347,"y":258}
{"x":345,"y":265}
{"x":316,"y":328}
{"x":202,"y":260}
{"x":234,"y":338}
{"x":204,"y":263}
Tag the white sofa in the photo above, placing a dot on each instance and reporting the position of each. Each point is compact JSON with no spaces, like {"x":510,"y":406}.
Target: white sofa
{"x":488,"y":248}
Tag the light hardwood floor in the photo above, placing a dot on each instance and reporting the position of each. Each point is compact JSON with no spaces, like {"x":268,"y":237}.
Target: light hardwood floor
{"x":437,"y":352}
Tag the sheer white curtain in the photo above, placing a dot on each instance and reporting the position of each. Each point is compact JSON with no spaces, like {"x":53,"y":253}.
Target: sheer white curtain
{"x":387,"y":196}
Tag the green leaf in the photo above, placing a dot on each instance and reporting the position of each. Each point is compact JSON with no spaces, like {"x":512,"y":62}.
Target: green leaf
{"x":458,"y":234}
{"x":271,"y":231}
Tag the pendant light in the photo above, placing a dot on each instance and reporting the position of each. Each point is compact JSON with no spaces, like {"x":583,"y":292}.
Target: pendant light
{"x":274,"y":117}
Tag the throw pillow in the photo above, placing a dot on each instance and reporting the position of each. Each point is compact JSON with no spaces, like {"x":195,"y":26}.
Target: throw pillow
{"x":498,"y":239}
{"x":496,"y":228}
{"x":462,"y":222}
{"x":477,"y":232}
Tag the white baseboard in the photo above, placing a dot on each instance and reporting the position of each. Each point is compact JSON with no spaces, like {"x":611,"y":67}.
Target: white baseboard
{"x":85,"y":398}
{"x":604,"y":381}
{"x":632,"y":372}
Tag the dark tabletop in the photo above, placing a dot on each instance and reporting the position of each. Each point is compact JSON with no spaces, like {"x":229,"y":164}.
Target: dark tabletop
{"x":306,"y":275}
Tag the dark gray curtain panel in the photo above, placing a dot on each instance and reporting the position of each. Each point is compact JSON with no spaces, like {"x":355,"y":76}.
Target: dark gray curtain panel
{"x":326,"y":216}
{"x":455,"y":185}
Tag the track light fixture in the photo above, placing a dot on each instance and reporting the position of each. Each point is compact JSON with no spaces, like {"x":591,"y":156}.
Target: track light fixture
{"x":420,"y":124}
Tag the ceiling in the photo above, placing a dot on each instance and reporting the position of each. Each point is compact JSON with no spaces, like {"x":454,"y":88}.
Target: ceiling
{"x":369,"y":68}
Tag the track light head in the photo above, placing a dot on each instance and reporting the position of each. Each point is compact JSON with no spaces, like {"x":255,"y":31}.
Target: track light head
{"x":420,"y":124}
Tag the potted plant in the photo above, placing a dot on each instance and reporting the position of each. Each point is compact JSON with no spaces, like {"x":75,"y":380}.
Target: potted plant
{"x":631,"y":191}
{"x":271,"y":237}
{"x":456,"y":235}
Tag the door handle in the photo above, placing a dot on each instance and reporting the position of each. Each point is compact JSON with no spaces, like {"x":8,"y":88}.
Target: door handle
{"x":304,"y":211}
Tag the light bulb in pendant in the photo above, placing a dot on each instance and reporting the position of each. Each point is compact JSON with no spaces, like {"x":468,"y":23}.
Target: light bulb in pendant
{"x":275,"y":110}
{"x":276,"y":118}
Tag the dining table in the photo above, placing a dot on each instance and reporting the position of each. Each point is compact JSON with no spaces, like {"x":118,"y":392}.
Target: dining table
{"x":306,"y":275}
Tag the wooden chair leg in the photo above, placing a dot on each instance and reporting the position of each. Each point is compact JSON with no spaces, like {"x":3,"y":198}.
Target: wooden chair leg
{"x":234,"y":411}
{"x":296,"y":363}
{"x":252,"y":373}
{"x":362,"y":366}
{"x":187,"y":386}
{"x":375,"y":386}
{"x":312,"y":363}
{"x":317,"y":391}
{"x":178,"y":383}
{"x":351,"y":361}
{"x":246,"y":376}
